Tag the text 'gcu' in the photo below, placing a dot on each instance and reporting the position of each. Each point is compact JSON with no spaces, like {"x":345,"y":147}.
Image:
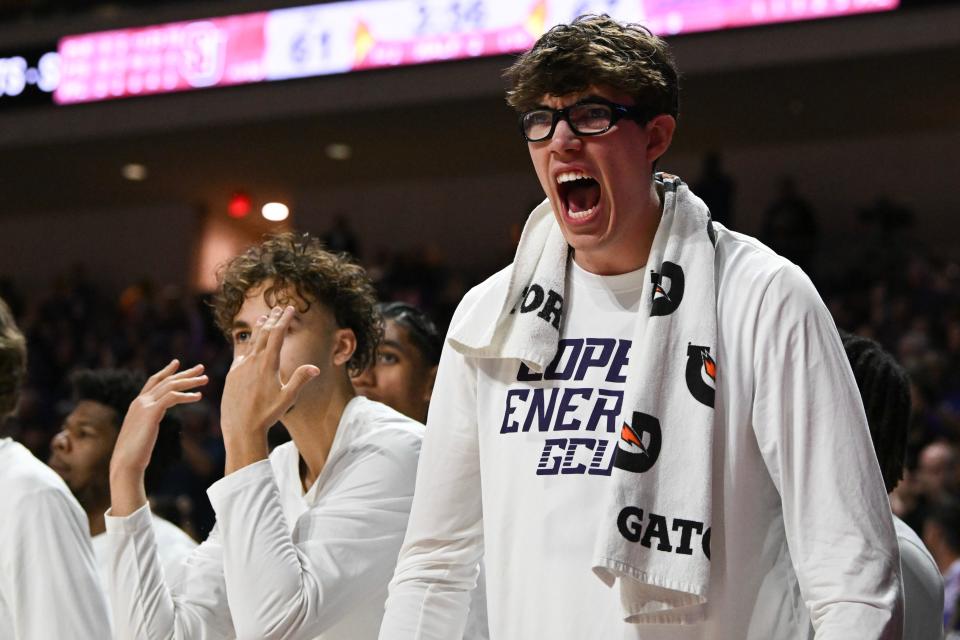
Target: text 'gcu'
{"x":701,"y":374}
{"x":639,"y":444}
{"x":667,"y":289}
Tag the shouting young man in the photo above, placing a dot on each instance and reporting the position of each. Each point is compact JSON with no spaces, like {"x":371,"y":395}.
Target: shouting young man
{"x":48,"y":580}
{"x":307,"y":536}
{"x":647,"y":421}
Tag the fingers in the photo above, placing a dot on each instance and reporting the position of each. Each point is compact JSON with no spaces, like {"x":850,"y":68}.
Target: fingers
{"x":263,"y":330}
{"x":183,"y":384}
{"x":160,"y":376}
{"x":277,"y":333}
{"x":179,"y":397}
{"x":304,"y":374}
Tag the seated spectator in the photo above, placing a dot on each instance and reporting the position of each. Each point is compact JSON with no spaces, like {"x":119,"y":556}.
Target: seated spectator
{"x":941,"y":533}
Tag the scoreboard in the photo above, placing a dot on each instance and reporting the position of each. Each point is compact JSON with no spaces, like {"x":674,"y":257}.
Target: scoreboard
{"x":342,"y":37}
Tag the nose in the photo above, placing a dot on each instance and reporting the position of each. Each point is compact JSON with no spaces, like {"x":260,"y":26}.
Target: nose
{"x":366,"y":379}
{"x":564,"y":139}
{"x":60,"y":442}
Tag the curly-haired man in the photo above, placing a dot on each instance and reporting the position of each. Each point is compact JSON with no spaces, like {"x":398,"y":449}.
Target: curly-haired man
{"x":48,"y":582}
{"x":307,"y":536}
{"x":643,"y":400}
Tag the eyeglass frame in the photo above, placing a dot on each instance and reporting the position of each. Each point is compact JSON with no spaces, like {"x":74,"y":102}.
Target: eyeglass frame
{"x":617,"y":112}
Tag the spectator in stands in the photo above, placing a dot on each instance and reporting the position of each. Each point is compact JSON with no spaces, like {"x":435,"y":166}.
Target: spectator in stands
{"x":937,"y":470}
{"x":941,"y":533}
{"x":81,"y":455}
{"x":790,"y":226}
{"x":716,"y":189}
{"x":48,"y":582}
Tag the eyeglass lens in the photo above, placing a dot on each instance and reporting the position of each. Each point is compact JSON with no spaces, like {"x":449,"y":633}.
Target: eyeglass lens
{"x":586,"y":118}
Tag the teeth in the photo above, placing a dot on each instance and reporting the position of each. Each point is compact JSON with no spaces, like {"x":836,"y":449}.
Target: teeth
{"x":570,"y":176}
{"x":582,"y":215}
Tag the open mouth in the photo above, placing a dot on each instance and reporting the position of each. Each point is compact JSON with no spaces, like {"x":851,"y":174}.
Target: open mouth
{"x":579,"y":192}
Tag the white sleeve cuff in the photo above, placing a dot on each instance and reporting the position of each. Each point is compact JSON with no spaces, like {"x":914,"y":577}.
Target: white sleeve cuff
{"x":139,"y":520}
{"x":252,"y":474}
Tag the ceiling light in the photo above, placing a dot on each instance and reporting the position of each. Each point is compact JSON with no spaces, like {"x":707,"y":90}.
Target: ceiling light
{"x":134,"y":171}
{"x":338,"y":151}
{"x":275,"y":211}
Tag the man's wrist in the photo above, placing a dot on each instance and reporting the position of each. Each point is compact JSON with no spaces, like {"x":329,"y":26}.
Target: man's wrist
{"x":127,"y":493}
{"x":244,"y":449}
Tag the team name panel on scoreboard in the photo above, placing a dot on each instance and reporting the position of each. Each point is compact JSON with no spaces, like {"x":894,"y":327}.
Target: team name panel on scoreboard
{"x":342,"y":37}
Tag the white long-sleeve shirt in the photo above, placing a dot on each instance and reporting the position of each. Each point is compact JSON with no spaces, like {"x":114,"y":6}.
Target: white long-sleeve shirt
{"x":922,"y":587}
{"x":48,"y":580}
{"x":173,"y":546}
{"x":281,"y":563}
{"x":800,"y":513}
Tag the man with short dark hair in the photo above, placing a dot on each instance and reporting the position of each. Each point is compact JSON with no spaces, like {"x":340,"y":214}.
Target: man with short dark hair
{"x":643,"y":400}
{"x":48,"y":580}
{"x":307,"y":535}
{"x":80,"y":453}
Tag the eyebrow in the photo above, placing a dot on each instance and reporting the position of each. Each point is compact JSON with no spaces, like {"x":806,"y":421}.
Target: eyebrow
{"x":239,"y":324}
{"x":582,"y":99}
{"x":392,"y":344}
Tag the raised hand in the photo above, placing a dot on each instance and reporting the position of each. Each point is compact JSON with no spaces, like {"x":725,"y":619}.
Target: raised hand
{"x":138,"y":434}
{"x":254,"y":397}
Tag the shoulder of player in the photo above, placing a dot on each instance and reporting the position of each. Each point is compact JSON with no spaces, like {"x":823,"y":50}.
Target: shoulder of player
{"x":24,"y":479}
{"x":912,"y":549}
{"x":374,"y":425}
{"x":477,"y":293}
{"x":170,"y":532}
{"x":750,"y":273}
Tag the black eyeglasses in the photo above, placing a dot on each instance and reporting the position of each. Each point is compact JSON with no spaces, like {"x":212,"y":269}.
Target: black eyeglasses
{"x":589,"y":117}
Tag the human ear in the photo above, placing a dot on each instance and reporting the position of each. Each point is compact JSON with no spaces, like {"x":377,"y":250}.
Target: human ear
{"x":344,"y":345}
{"x":659,"y":136}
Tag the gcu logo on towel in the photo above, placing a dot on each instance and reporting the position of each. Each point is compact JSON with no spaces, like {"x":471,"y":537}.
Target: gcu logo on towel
{"x":666,"y":300}
{"x":534,"y":298}
{"x":639,"y":445}
{"x":701,"y":374}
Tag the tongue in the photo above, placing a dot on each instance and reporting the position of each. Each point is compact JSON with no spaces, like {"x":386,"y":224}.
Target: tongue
{"x":583,"y":195}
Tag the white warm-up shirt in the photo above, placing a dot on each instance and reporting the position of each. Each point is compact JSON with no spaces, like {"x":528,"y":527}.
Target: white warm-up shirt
{"x":292,"y":565}
{"x":922,"y":587}
{"x":799,"y":510}
{"x":48,"y":580}
{"x":173,"y":546}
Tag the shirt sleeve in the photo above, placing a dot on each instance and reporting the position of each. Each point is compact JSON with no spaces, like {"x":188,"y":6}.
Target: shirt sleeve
{"x":431,"y":591}
{"x":344,"y":552}
{"x":50,"y":572}
{"x":813,"y":436}
{"x":148,"y":607}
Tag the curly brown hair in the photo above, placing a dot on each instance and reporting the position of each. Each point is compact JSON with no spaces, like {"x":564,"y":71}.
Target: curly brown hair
{"x":300,"y":264}
{"x":13,"y":361}
{"x":597,"y":50}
